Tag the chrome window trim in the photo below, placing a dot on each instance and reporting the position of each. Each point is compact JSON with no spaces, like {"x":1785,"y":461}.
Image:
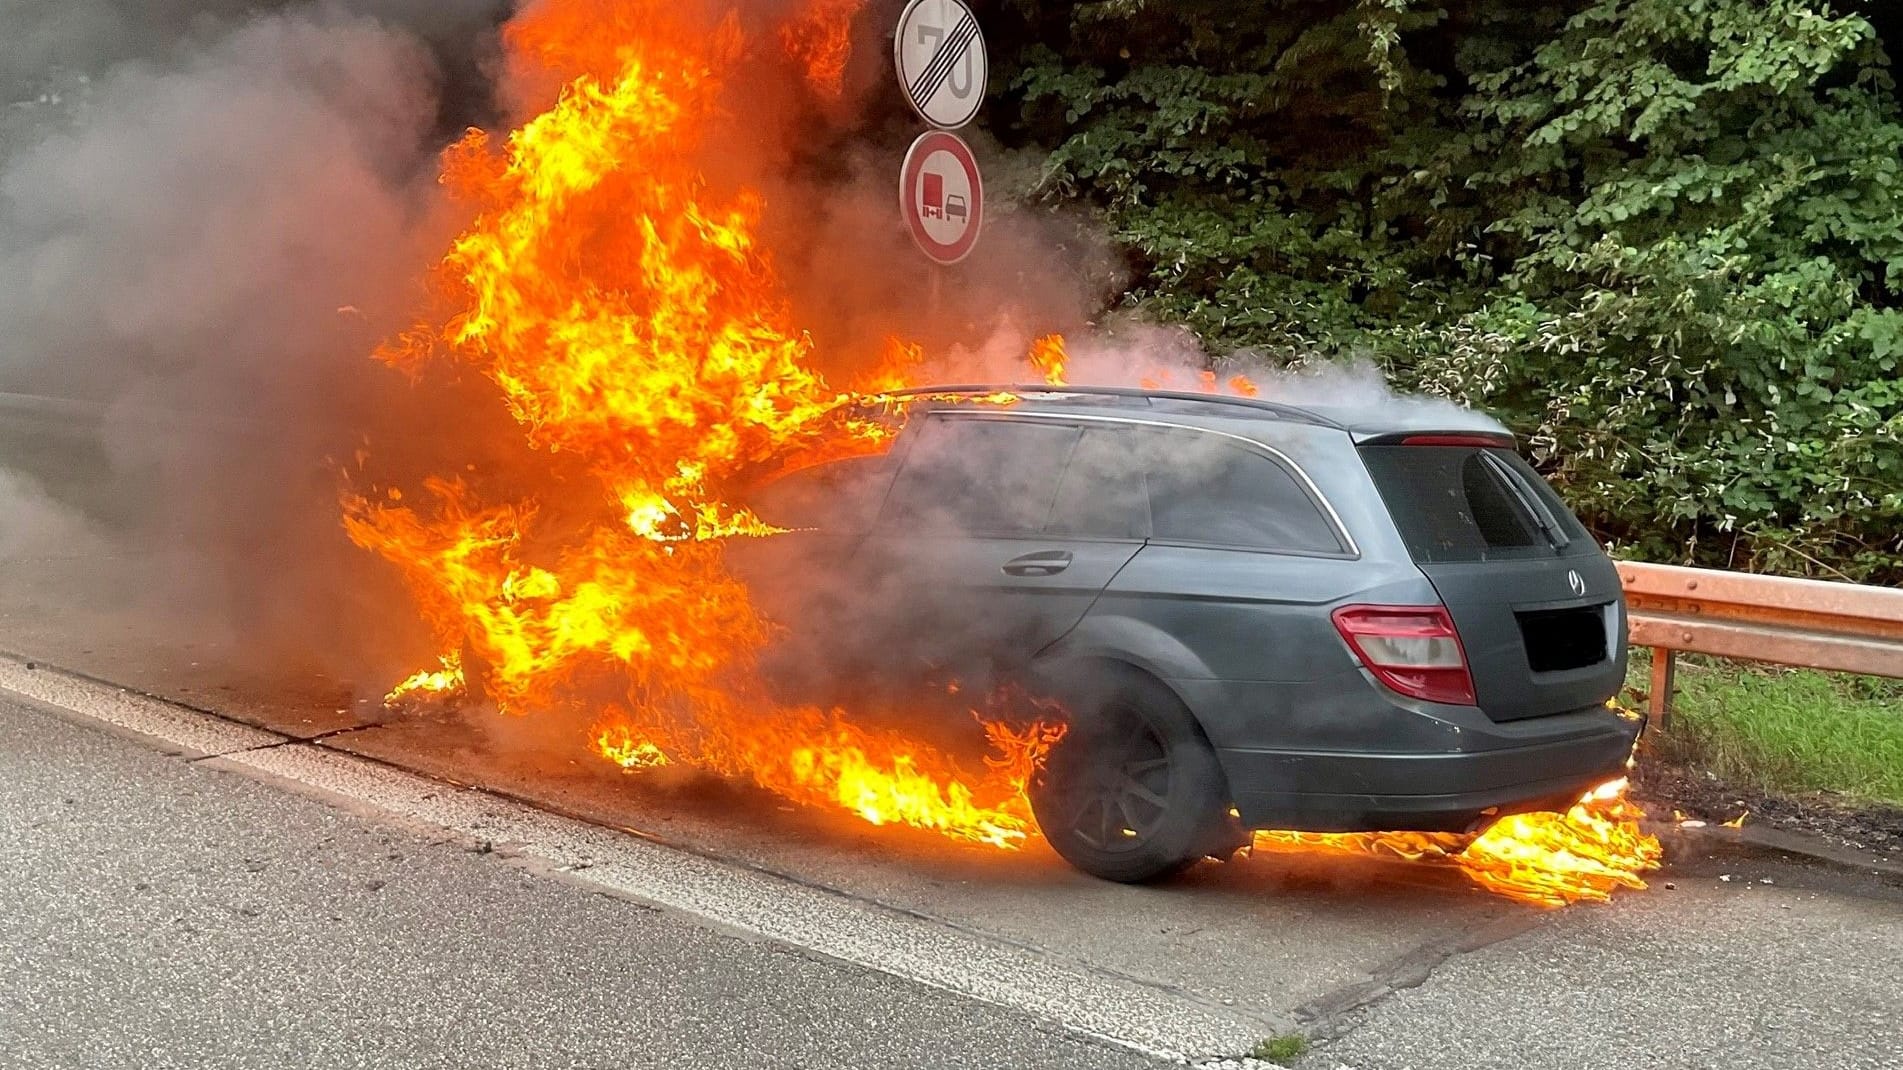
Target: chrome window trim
{"x":1308,"y":483}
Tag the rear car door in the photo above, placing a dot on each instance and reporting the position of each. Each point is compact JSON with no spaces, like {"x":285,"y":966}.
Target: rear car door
{"x":1536,"y":602}
{"x":998,"y":534}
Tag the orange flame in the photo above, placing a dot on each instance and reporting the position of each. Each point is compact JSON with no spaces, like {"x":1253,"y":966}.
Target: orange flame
{"x":1549,"y":859}
{"x":447,"y":681}
{"x":620,"y":745}
{"x":1049,"y":358}
{"x":632,"y":321}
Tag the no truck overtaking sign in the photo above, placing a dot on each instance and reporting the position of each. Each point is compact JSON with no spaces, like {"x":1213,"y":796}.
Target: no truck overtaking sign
{"x":941,"y":196}
{"x":941,"y":60}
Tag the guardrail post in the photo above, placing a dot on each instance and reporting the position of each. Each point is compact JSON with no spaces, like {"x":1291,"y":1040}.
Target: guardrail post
{"x":1658,"y":704}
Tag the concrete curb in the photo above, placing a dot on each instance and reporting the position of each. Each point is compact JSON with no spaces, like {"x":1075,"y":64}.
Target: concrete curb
{"x":1766,"y":838}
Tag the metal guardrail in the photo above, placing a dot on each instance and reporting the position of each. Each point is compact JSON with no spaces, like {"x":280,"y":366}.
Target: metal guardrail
{"x":1812,"y":624}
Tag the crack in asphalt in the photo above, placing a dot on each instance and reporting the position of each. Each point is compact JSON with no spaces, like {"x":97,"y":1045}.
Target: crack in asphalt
{"x":1333,"y":1015}
{"x":318,"y":739}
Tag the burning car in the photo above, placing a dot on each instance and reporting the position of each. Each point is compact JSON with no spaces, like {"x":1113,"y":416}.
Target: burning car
{"x":578,"y":568}
{"x":1256,"y":615}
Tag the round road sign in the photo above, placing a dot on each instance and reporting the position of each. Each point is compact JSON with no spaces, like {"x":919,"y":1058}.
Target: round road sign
{"x":940,"y":56}
{"x":941,"y":196}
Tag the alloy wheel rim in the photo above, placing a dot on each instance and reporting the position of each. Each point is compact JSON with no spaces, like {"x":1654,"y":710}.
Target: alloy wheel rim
{"x":1121,"y":794}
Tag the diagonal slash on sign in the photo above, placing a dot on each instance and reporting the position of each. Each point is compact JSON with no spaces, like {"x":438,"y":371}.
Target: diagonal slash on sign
{"x":933,"y":76}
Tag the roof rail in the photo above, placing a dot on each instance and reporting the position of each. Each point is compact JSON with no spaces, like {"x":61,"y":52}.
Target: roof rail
{"x":1288,"y":412}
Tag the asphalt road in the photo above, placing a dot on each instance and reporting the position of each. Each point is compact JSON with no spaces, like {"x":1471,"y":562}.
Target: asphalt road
{"x":165,"y":913}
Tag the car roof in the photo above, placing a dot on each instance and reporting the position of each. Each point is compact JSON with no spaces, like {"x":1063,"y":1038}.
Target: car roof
{"x":1363,"y":421}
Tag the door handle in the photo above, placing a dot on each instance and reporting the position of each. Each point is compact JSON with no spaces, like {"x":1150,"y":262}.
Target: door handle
{"x":1040,"y":563}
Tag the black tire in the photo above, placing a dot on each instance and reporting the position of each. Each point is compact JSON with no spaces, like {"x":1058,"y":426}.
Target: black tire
{"x":475,"y":676}
{"x":1132,"y":793}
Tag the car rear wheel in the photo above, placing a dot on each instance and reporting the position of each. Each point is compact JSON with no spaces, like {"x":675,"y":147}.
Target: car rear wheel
{"x":1132,"y":792}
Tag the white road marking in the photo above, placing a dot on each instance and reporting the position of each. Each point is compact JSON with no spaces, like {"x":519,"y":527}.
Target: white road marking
{"x":1113,"y":1009}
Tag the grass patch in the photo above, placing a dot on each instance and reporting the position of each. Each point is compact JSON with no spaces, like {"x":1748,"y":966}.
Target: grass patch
{"x":1282,"y":1049}
{"x":1784,"y":730}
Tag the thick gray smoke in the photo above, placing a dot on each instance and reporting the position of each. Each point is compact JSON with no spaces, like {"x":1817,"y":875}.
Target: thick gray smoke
{"x":209,"y":214}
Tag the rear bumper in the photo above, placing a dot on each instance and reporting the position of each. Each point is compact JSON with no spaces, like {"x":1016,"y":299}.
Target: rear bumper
{"x":1422,"y":791}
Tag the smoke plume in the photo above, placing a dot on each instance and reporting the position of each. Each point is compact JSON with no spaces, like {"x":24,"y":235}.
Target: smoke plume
{"x":209,"y":213}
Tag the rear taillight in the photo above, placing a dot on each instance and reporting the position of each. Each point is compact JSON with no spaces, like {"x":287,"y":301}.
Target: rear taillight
{"x":1412,"y":649}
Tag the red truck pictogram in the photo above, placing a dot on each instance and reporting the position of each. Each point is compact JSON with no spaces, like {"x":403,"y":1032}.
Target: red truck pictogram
{"x":934,"y":198}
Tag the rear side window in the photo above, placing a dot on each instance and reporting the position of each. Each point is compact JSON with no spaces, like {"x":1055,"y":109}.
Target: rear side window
{"x":987,"y":475}
{"x":1467,"y":503}
{"x":1203,"y":489}
{"x":1102,"y":494}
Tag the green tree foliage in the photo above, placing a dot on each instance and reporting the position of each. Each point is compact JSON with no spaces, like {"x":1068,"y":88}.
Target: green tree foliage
{"x":1662,"y":238}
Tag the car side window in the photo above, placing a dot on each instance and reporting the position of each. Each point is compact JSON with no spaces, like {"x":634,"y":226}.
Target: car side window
{"x":1205,"y":490}
{"x":965,"y":474}
{"x":1101,"y":495}
{"x":840,"y":496}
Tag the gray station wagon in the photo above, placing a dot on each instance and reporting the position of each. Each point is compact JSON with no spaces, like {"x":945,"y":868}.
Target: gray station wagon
{"x":1256,"y":615}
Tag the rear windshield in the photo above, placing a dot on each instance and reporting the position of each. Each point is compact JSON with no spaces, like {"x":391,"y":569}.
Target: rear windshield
{"x":1468,"y":503}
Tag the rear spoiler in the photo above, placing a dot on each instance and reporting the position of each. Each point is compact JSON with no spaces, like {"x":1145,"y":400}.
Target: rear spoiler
{"x":1478,"y":439}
